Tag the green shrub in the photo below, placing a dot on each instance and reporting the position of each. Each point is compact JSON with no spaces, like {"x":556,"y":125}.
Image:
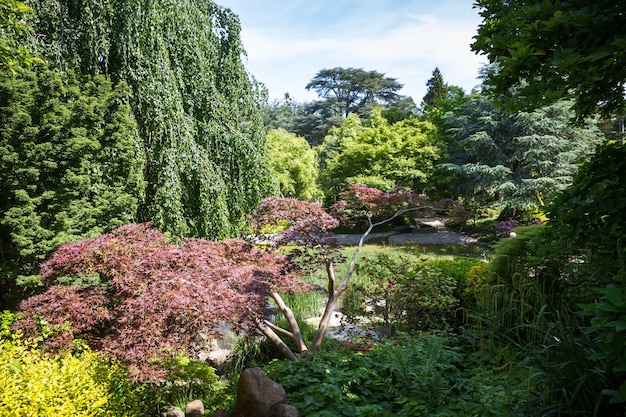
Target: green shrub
{"x":400,"y":293}
{"x":514,"y":254}
{"x":72,"y":384}
{"x":456,"y":268}
{"x":189,"y":380}
{"x":409,"y":377}
{"x":476,"y":286}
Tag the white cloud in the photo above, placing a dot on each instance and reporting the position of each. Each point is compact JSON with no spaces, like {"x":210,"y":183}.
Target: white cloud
{"x":286,"y":58}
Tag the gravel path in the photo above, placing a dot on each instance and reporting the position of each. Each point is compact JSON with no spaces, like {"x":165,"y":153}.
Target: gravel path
{"x":436,"y":237}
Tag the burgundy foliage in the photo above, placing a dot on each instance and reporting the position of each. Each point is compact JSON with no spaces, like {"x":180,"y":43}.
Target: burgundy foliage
{"x":155,"y":297}
{"x":305,"y":224}
{"x":360,"y":202}
{"x":303,"y":221}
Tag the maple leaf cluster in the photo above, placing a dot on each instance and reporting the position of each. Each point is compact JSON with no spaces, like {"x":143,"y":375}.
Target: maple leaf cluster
{"x":154,"y":298}
{"x":306,"y":229}
{"x":306,"y":223}
{"x":361,"y":201}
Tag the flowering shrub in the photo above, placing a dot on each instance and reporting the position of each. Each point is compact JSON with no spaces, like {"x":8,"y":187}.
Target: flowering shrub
{"x":503,"y":229}
{"x":401,"y":294}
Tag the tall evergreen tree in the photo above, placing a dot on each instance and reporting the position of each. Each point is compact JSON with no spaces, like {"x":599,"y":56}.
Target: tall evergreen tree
{"x":71,"y":166}
{"x":353,"y":90}
{"x":437,"y":90}
{"x":516,"y":161}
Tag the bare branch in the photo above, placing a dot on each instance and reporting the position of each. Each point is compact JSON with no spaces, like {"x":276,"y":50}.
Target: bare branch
{"x":278,"y":328}
{"x":293,"y":323}
{"x":271,"y":335}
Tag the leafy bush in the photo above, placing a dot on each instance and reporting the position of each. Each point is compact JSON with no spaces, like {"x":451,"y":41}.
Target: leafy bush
{"x":156,"y":297}
{"x":401,"y":294}
{"x":189,"y":380}
{"x":72,"y":384}
{"x":414,"y":376}
{"x":476,"y":285}
{"x":456,"y":268}
{"x":573,"y":371}
{"x":608,"y":334}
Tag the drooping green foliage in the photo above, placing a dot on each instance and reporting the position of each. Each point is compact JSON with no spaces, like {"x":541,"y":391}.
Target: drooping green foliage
{"x":380,"y":155}
{"x":71,"y":166}
{"x":197,"y":109}
{"x":555,"y":50}
{"x":516,"y":161}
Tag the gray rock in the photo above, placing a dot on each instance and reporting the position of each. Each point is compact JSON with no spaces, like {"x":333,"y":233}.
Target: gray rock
{"x":194,"y":409}
{"x":286,"y":410}
{"x":219,"y":357}
{"x":171,"y":411}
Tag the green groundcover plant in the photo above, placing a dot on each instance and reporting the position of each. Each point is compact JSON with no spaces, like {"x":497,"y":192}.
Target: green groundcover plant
{"x":425,"y":376}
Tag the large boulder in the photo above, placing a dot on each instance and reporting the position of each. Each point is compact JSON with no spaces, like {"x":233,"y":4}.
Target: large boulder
{"x":257,"y":395}
{"x":286,"y":410}
{"x":194,"y":409}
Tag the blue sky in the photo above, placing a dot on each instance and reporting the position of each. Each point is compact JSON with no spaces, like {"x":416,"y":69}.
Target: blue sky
{"x":289,"y":41}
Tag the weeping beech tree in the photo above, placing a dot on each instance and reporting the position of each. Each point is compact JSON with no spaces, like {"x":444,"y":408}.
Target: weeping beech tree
{"x":197,"y":109}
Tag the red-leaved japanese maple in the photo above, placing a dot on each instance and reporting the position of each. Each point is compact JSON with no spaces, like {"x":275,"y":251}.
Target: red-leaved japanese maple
{"x":154,"y":298}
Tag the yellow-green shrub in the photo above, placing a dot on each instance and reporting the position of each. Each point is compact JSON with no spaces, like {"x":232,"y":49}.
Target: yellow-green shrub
{"x":73,"y":384}
{"x":476,"y":284}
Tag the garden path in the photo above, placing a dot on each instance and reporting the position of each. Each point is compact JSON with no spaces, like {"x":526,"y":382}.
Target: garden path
{"x":428,"y":232}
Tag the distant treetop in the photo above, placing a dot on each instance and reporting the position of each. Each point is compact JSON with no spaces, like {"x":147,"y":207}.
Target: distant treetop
{"x":350,"y":90}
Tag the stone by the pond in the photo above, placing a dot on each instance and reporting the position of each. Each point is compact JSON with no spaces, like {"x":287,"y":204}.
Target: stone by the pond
{"x":257,"y":395}
{"x":194,"y":409}
{"x":171,"y":411}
